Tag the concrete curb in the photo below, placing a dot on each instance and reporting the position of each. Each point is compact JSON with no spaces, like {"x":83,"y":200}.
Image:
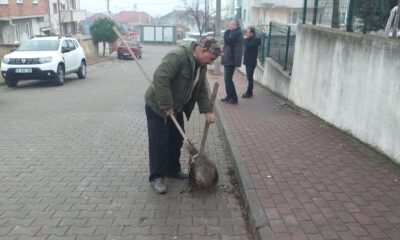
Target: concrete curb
{"x":258,"y":219}
{"x":95,"y":60}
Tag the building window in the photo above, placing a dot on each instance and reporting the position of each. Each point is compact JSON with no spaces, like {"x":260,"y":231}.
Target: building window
{"x":19,"y":1}
{"x":16,"y":32}
{"x":71,"y":4}
{"x":34,"y":1}
{"x":30,"y":30}
{"x":55,"y":8}
{"x":3,"y":1}
{"x":62,"y":7}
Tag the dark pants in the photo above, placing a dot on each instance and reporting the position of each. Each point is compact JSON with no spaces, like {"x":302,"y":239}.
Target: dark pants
{"x":165,"y":144}
{"x":229,"y":85}
{"x":249,"y":74}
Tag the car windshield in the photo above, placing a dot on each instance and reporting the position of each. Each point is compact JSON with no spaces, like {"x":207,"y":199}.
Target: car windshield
{"x":39,"y":45}
{"x":130,"y":44}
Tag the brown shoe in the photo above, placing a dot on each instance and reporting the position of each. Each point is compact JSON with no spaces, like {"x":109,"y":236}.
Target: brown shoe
{"x":246,"y":95}
{"x":231,"y":101}
{"x":224,"y":99}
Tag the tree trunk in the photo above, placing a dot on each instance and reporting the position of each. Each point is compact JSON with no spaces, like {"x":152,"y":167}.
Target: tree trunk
{"x":335,"y":14}
{"x":104,"y":48}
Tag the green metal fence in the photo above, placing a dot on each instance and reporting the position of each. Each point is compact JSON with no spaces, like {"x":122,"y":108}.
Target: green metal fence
{"x":277,"y":42}
{"x":366,"y":16}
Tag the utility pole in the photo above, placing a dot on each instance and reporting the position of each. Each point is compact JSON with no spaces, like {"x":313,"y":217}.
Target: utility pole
{"x":335,"y":14}
{"x":49,"y":8}
{"x":396,"y":21}
{"x":59,"y":16}
{"x":206,"y":13}
{"x":217,"y":66}
{"x":108,"y":7}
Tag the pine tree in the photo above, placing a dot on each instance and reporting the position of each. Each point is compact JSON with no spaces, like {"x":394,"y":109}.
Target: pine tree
{"x":373,"y":13}
{"x":102,"y":31}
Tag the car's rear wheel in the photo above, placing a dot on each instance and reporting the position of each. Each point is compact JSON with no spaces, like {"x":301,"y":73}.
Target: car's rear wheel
{"x":60,"y":75}
{"x":82,"y":70}
{"x":11,"y":82}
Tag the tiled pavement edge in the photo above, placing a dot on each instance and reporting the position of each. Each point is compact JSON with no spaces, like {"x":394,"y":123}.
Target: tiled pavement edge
{"x":302,"y":179}
{"x":98,"y":59}
{"x":258,"y":220}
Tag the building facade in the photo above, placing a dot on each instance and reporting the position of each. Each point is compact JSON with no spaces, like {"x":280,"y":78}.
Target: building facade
{"x":22,"y":19}
{"x":261,"y":12}
{"x":65,"y":16}
{"x":19,"y":19}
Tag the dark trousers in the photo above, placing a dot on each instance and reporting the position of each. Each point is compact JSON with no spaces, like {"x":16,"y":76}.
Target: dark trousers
{"x":229,"y":85}
{"x":165,"y":144}
{"x":249,"y":73}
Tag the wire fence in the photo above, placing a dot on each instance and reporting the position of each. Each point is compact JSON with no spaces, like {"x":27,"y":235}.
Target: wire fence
{"x":377,"y":17}
{"x":277,"y":42}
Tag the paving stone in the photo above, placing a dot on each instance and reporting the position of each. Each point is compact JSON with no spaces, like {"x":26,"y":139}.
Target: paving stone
{"x":46,"y":230}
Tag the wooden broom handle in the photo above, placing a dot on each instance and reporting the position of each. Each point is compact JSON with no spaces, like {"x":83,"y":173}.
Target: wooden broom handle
{"x":149,"y":80}
{"x":207,"y":125}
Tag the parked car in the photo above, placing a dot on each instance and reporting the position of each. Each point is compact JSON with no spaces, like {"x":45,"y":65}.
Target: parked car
{"x":44,"y":58}
{"x":123,"y":52}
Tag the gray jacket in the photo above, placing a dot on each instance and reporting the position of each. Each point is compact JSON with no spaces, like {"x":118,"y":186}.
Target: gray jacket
{"x":233,"y":48}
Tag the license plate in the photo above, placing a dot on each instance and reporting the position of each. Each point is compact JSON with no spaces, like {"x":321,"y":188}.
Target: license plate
{"x":23,"y":70}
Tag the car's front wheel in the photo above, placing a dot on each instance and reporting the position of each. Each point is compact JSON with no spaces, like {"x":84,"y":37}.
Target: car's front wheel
{"x":82,"y":70}
{"x":11,"y":82}
{"x":60,"y":75}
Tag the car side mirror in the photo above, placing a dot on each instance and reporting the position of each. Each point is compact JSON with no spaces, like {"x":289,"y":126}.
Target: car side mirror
{"x":64,"y":50}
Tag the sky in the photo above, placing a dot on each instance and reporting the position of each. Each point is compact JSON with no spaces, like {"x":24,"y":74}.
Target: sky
{"x":159,"y":7}
{"x":153,"y":7}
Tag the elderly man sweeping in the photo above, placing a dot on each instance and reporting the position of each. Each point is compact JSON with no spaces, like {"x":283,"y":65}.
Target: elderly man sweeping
{"x":179,"y":83}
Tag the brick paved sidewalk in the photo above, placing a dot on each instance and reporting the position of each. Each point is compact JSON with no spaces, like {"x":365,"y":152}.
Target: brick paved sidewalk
{"x":311,"y":181}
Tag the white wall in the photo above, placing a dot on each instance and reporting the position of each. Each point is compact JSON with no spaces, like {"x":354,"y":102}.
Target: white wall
{"x":351,"y":81}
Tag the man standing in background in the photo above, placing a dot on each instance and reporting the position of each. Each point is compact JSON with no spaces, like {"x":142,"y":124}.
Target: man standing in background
{"x":251,"y":44}
{"x":232,"y":58}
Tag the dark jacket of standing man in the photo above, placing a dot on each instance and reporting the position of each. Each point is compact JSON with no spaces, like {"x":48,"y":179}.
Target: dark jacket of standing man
{"x":233,"y":48}
{"x":251,"y":44}
{"x":251,"y":50}
{"x":232,"y":58}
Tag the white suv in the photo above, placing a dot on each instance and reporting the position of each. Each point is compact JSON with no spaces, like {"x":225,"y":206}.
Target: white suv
{"x":44,"y":58}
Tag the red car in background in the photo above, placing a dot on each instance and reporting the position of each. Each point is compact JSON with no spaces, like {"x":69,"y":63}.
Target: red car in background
{"x":123,"y":52}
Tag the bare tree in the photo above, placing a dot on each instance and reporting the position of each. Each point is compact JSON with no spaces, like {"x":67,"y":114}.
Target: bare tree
{"x":200,"y":11}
